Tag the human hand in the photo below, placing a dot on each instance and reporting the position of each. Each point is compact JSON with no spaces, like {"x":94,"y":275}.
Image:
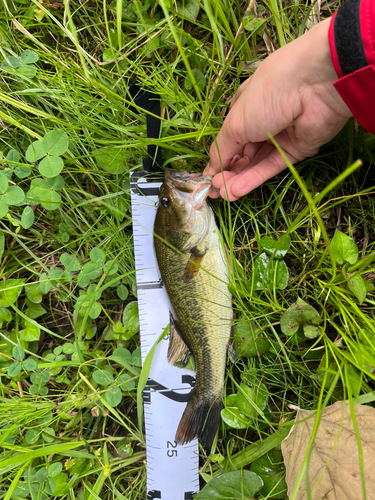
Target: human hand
{"x":291,"y":97}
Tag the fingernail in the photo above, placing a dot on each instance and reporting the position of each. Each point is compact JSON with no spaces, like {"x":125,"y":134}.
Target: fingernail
{"x":207,"y":170}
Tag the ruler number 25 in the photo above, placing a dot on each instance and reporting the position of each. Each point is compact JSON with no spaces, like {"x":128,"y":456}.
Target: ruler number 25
{"x":171,"y":452}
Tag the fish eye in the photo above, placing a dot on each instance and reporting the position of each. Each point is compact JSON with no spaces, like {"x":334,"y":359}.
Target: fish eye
{"x":166,"y":202}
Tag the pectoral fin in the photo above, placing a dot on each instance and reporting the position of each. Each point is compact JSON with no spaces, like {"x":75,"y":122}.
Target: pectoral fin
{"x":193,"y":265}
{"x":178,"y":352}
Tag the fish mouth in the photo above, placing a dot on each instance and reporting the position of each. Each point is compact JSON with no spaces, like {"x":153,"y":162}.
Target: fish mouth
{"x":189,"y":187}
{"x":187,"y":179}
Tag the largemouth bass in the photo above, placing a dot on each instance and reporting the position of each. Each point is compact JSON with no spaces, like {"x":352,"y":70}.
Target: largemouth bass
{"x":193,"y":268}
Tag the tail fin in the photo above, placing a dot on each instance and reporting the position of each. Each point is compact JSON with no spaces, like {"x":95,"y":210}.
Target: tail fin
{"x":200,"y":419}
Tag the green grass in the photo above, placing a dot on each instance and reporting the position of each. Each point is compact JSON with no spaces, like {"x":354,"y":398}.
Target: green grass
{"x":195,"y":66}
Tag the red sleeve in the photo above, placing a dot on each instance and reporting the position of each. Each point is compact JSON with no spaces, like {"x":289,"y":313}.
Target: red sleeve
{"x":357,"y":89}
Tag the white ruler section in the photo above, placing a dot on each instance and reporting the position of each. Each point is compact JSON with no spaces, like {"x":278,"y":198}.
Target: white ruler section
{"x":172,"y":470}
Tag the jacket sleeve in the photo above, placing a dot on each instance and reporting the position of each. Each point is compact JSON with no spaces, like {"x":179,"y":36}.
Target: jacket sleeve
{"x":352,"y":44}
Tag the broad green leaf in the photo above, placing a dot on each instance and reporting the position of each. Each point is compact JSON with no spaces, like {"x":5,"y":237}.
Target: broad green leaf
{"x":95,"y":310}
{"x":51,"y":486}
{"x":189,"y":9}
{"x":22,"y":172}
{"x":122,"y":292}
{"x":248,"y":340}
{"x":113,"y":396}
{"x":122,"y":356}
{"x":278,"y":273}
{"x":22,"y":490}
{"x":234,"y":418}
{"x":5,"y":315}
{"x":34,"y":311}
{"x":32,"y":436}
{"x":357,"y":286}
{"x":35,"y":152}
{"x":48,"y":435}
{"x":136,"y":357}
{"x":55,"y":274}
{"x":111,"y":267}
{"x":14,"y":195}
{"x":130,"y":319}
{"x":277,"y":248}
{"x":40,"y":378}
{"x":108,"y":55}
{"x":311,"y":331}
{"x":3,"y":183}
{"x":62,"y":484}
{"x":70,"y":262}
{"x":11,"y":62}
{"x":51,"y":166}
{"x":56,"y":183}
{"x":14,"y":369}
{"x":41,"y":475}
{"x":13,"y":156}
{"x":126,"y":451}
{"x":199,"y":77}
{"x":45,"y":284}
{"x":46,"y":418}
{"x":344,"y":248}
{"x":27,"y":217}
{"x":126,"y":382}
{"x":115,"y":331}
{"x":54,"y":469}
{"x":34,"y":293}
{"x":68,"y":348}
{"x":3,"y":208}
{"x":55,"y":143}
{"x":270,"y":273}
{"x":257,"y":394}
{"x":236,"y":485}
{"x":9,"y":291}
{"x":97,"y":256}
{"x":91,"y":271}
{"x":50,"y":200}
{"x":29,"y":364}
{"x":29,"y":56}
{"x":298,"y":314}
{"x":87,"y":328}
{"x":30,"y":333}
{"x":272,"y":472}
{"x":111,"y":159}
{"x":28,"y":70}
{"x":102,"y":377}
{"x":18,"y":353}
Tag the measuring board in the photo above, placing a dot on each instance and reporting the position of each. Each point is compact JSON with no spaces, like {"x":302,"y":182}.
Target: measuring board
{"x":172,"y":470}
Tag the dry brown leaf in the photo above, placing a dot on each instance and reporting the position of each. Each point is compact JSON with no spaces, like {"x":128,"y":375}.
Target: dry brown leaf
{"x":334,"y":469}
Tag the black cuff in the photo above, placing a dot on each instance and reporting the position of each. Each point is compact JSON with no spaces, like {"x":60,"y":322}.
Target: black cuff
{"x":348,"y":38}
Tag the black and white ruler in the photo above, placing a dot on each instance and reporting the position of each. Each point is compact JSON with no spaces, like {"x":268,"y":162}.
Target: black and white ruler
{"x":172,"y":470}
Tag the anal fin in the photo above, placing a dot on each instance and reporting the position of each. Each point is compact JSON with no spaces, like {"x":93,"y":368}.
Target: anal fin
{"x":178,"y":352}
